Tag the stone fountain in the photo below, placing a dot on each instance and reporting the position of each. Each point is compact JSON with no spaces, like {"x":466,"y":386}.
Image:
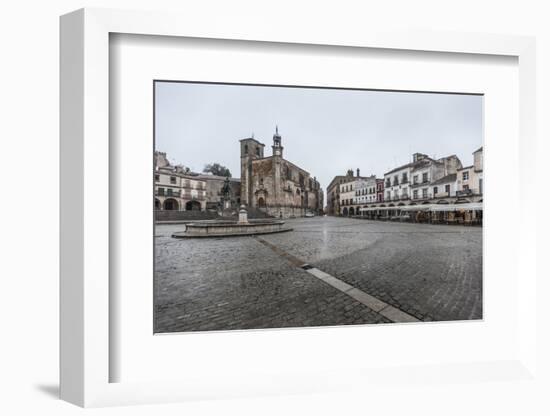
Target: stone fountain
{"x":231,"y":228}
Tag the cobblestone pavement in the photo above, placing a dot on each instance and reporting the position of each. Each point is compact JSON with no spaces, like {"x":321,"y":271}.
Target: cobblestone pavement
{"x":430,"y":272}
{"x":433,"y":272}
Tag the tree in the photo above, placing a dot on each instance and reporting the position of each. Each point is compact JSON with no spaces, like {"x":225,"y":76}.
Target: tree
{"x":217,"y":169}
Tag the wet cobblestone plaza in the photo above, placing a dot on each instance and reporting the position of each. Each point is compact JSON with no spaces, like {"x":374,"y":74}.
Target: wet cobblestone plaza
{"x":429,"y":272}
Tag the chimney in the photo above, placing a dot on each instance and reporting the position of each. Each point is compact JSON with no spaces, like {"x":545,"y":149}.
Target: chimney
{"x":419,"y":156}
{"x":357,"y":172}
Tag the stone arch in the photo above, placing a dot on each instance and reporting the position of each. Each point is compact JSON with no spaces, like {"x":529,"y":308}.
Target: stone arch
{"x":170,"y":204}
{"x":193,"y":206}
{"x":157,"y":204}
{"x":351,"y":211}
{"x":261,"y":202}
{"x":345,"y":211}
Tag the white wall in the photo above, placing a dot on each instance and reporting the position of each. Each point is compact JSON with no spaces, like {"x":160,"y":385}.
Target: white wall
{"x":29,"y":265}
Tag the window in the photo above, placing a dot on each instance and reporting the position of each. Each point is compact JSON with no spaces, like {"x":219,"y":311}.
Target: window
{"x":415,"y":179}
{"x":404,"y":178}
{"x":435,"y":190}
{"x":172,"y":179}
{"x":169,"y":192}
{"x":448,"y":189}
{"x":425,"y":177}
{"x":257,"y":151}
{"x":465,"y":187}
{"x":388,"y":184}
{"x":415,"y":194}
{"x":161,"y":191}
{"x":395,"y":181}
{"x":388,"y":196}
{"x":261,"y":181}
{"x":157,"y":177}
{"x":465,"y":175}
{"x":425,"y":193}
{"x":246,"y":148}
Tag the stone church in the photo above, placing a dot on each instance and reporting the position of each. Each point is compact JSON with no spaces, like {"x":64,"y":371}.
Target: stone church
{"x":275,"y":185}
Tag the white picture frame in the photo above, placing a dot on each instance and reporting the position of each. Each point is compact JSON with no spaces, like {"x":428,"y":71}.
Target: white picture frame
{"x":85,"y":180}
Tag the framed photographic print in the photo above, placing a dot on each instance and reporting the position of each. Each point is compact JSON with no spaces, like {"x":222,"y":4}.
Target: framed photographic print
{"x":244,"y":208}
{"x":382,"y":247}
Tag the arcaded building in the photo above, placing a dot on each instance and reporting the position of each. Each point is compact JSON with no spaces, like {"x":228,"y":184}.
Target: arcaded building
{"x":177,"y":189}
{"x":275,"y":185}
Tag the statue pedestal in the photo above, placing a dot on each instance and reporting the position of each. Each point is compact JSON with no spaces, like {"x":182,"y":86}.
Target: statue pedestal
{"x":243,"y":215}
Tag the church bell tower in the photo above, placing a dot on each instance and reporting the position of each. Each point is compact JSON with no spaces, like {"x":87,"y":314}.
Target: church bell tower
{"x":277,"y":148}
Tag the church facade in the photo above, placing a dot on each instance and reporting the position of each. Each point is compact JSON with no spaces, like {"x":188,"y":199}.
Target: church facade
{"x":275,"y":185}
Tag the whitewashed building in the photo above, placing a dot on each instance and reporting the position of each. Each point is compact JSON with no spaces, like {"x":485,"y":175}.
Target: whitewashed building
{"x":413,"y":180}
{"x":470,"y":178}
{"x":365,"y":190}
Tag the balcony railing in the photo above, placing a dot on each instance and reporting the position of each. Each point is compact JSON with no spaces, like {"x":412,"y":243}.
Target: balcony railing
{"x":175,"y":194}
{"x":178,"y":194}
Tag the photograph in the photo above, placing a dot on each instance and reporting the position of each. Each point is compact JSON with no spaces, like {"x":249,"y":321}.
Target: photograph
{"x":282,"y":206}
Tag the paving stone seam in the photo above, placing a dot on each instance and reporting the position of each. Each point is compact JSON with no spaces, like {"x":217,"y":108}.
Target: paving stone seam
{"x":389,"y":312}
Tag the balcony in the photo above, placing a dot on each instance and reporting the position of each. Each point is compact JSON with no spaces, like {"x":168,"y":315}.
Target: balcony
{"x":173,"y":194}
{"x":464,"y":192}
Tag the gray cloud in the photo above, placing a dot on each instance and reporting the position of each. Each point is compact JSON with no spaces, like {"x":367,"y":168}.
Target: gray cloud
{"x":324,"y":131}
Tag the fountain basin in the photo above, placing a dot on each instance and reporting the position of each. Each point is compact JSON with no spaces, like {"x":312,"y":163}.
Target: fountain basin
{"x":221,"y":228}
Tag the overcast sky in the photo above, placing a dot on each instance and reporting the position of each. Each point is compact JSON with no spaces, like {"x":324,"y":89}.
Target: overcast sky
{"x":325,"y":132}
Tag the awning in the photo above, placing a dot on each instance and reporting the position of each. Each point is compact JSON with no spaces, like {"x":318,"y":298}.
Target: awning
{"x":372,"y":209}
{"x":424,"y":207}
{"x":470,"y":206}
